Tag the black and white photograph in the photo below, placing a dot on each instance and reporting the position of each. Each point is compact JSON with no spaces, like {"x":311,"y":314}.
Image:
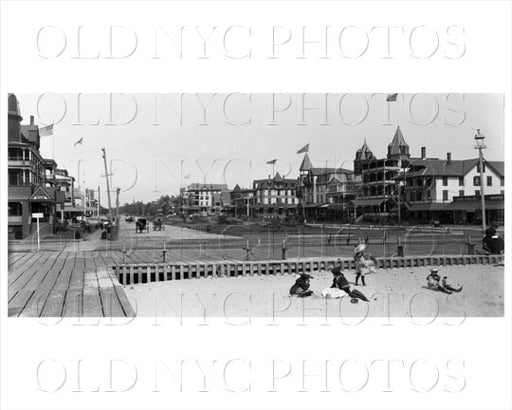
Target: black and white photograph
{"x":241,"y":204}
{"x":274,"y":211}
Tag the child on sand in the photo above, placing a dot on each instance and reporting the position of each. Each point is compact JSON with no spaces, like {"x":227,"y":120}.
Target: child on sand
{"x":301,"y":286}
{"x":435,"y":282}
{"x":364,"y":263}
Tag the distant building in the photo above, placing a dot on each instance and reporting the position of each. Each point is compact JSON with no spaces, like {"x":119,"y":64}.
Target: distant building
{"x":377,"y":197}
{"x":275,"y":197}
{"x":449,"y":190}
{"x":325,"y":192}
{"x":206,"y":198}
{"x":31,"y":187}
{"x":242,"y":201}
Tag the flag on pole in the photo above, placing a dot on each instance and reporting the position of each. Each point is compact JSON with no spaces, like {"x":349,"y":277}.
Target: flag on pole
{"x":272,"y":162}
{"x":46,"y":131}
{"x":391,"y":97}
{"x":305,"y":148}
{"x":79,"y":142}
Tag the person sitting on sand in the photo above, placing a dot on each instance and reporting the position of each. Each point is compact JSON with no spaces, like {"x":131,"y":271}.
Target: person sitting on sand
{"x":434,"y":282}
{"x":301,"y":286}
{"x":340,"y":282}
{"x":364,"y":263}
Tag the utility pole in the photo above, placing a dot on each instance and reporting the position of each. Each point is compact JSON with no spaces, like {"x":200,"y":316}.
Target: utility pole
{"x":98,"y":204}
{"x":480,"y":145}
{"x":108,"y":185}
{"x":117,"y":202}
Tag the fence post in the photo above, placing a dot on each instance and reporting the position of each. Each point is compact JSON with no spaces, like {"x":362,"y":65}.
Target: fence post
{"x":400,"y":248}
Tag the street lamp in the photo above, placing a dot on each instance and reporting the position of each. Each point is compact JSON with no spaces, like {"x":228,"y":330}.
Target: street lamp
{"x":480,"y":145}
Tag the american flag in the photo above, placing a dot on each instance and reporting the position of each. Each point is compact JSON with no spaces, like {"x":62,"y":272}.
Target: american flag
{"x":46,"y":131}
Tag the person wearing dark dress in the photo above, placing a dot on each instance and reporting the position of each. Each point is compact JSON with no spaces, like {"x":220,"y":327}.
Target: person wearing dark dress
{"x":492,"y":243}
{"x":340,"y":282}
{"x":301,"y":286}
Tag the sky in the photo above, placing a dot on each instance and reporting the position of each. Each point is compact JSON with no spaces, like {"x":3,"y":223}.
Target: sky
{"x":157,"y":143}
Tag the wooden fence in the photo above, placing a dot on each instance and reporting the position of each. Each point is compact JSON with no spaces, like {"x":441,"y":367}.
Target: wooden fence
{"x":133,"y":273}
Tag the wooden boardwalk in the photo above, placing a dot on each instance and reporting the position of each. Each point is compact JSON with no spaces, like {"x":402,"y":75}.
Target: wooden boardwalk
{"x":59,"y":284}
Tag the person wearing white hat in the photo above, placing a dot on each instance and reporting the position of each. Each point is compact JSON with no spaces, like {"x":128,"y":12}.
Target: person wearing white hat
{"x":363,"y":262}
{"x":435,"y":282}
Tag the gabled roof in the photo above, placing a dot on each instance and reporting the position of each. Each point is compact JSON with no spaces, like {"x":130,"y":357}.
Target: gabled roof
{"x":325,"y":171}
{"x":278,"y":177}
{"x":498,"y":166}
{"x":40,"y":194}
{"x":206,"y":187}
{"x":306,"y":163}
{"x":398,"y":141}
{"x":441,"y":167}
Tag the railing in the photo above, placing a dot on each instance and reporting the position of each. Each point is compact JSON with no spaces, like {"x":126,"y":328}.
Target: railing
{"x":134,"y":273}
{"x":19,"y":162}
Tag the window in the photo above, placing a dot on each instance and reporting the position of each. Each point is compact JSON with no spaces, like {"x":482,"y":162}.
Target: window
{"x":461,"y":192}
{"x":461,"y":181}
{"x":489,"y":181}
{"x":445,"y":181}
{"x":445,"y":195}
{"x":502,"y":192}
{"x":502,"y":181}
{"x":477,"y":192}
{"x":429,"y":196}
{"x":476,"y":180}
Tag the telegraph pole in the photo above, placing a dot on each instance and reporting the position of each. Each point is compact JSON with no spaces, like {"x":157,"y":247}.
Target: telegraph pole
{"x":117,"y":202}
{"x":480,"y":145}
{"x":108,"y":185}
{"x":98,"y":204}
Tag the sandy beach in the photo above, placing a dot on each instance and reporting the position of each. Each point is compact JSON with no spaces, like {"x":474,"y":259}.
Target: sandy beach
{"x":393,"y":292}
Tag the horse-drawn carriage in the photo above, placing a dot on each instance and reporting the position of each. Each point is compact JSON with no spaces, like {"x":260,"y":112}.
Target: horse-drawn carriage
{"x":141,"y":225}
{"x":158,"y":224}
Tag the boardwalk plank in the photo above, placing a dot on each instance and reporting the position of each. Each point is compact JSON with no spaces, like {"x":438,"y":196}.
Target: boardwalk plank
{"x":54,"y":305}
{"x":13,"y":257}
{"x":73,"y":304}
{"x":23,"y":290}
{"x":16,"y":270}
{"x":26,"y":272}
{"x":119,"y":291}
{"x":36,"y":303}
{"x":110,"y":302}
{"x":91,"y":294}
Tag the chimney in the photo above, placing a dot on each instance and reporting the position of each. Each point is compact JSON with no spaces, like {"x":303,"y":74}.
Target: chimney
{"x":31,"y":120}
{"x":423,"y":152}
{"x":449,"y":157}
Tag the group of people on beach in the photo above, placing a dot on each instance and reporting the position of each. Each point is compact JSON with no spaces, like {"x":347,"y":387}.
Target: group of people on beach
{"x":364,"y":263}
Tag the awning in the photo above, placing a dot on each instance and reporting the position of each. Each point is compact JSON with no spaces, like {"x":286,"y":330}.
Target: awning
{"x":476,"y":205}
{"x":430,"y":206}
{"x":367,"y":202}
{"x":74,"y":209}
